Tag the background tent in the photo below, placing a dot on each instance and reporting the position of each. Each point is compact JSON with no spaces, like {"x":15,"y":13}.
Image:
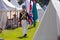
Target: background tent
{"x":15,"y":3}
{"x":3,"y":15}
{"x":11,"y":8}
{"x":18,"y":7}
{"x":2,"y":6}
{"x":48,"y":28}
{"x":9,"y":5}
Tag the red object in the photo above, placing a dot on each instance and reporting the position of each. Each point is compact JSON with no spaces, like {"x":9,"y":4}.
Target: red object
{"x":30,"y":19}
{"x":34,"y":1}
{"x":30,"y":6}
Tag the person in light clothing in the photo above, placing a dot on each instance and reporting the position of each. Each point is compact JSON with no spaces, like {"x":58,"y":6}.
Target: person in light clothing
{"x":24,"y":17}
{"x":15,"y":20}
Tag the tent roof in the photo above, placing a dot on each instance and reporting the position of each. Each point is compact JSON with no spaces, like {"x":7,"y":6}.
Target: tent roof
{"x":2,"y":6}
{"x":14,"y":2}
{"x":8,"y":5}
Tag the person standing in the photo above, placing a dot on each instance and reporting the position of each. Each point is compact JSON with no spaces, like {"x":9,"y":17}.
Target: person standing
{"x":15,"y":21}
{"x":24,"y":17}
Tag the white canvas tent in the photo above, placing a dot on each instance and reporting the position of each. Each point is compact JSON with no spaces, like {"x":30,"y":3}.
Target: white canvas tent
{"x":18,"y":7}
{"x":3,"y":15}
{"x":8,"y":5}
{"x":56,"y":4}
{"x":15,"y":3}
{"x":2,"y":6}
{"x":5,"y":6}
{"x":50,"y":27}
{"x":12,"y":8}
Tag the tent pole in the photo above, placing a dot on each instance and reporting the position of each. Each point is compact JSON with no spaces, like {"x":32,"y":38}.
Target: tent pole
{"x":16,"y":14}
{"x":10,"y":14}
{"x":17,"y":18}
{"x":10,"y":19}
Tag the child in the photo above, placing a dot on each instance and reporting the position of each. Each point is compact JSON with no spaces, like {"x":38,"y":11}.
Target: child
{"x":24,"y":17}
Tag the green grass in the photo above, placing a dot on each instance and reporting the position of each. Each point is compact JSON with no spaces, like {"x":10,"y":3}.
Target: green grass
{"x":15,"y":33}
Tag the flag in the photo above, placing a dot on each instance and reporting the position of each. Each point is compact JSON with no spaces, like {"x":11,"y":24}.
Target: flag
{"x":30,"y":5}
{"x":34,"y":11}
{"x":30,"y":15}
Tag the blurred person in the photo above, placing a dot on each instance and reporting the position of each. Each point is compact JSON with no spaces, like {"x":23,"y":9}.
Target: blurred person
{"x":24,"y":17}
{"x":15,"y":20}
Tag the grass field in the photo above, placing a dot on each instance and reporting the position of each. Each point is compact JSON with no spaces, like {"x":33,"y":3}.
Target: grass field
{"x":14,"y":34}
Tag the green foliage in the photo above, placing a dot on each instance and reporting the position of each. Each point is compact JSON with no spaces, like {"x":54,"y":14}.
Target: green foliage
{"x":38,"y":1}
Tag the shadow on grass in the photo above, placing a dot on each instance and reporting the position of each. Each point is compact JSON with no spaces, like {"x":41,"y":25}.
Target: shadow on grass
{"x":1,"y":39}
{"x":11,"y":28}
{"x":30,"y":28}
{"x":21,"y":37}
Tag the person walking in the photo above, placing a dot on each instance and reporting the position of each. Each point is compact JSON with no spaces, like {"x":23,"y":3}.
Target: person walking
{"x":24,"y":17}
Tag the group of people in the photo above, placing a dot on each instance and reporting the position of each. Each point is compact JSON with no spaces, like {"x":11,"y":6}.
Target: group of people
{"x":24,"y":19}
